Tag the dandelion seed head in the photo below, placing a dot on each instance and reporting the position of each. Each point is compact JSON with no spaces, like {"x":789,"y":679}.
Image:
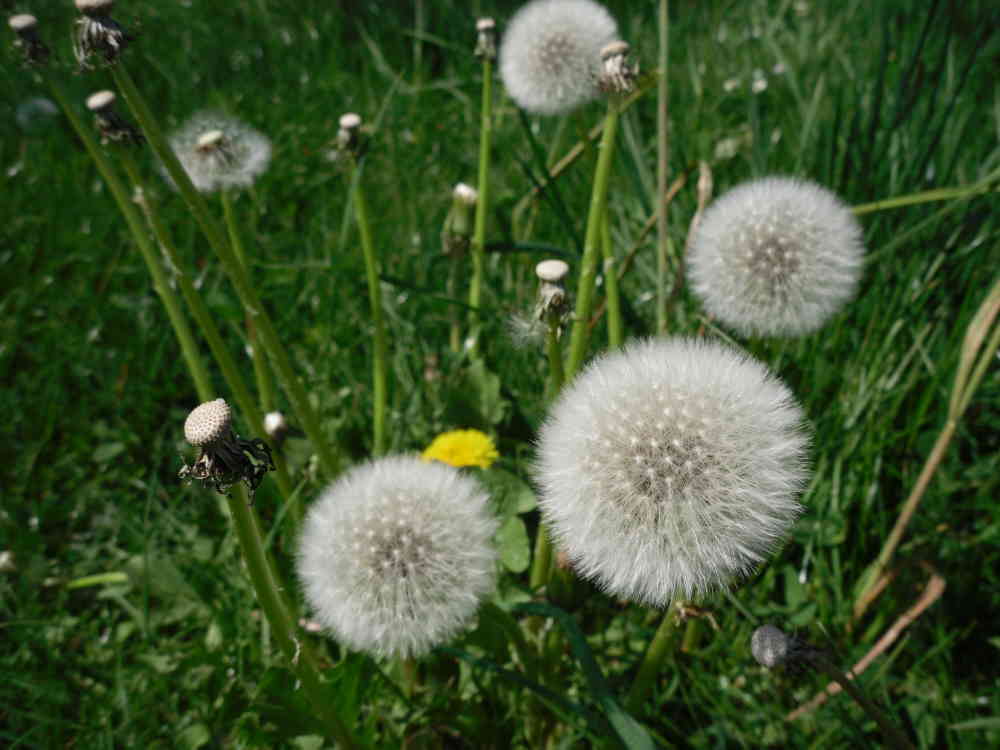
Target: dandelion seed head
{"x":770,"y":646}
{"x":208,"y":423}
{"x":776,"y":257}
{"x":396,"y":555}
{"x":671,"y":467}
{"x":219,"y":152}
{"x":550,"y":56}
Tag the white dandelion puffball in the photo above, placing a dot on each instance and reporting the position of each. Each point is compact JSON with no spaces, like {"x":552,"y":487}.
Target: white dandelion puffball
{"x":218,"y":151}
{"x":776,"y":257}
{"x":550,"y":56}
{"x":671,"y":467}
{"x":395,"y":556}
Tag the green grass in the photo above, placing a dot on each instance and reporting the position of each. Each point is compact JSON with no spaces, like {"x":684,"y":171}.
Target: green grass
{"x":877,"y":100}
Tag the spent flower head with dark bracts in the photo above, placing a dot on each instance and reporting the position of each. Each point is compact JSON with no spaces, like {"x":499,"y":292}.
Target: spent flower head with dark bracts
{"x":671,"y":467}
{"x":25,"y":26}
{"x":550,"y":56}
{"x":396,"y":555}
{"x":486,"y":39}
{"x":776,"y":257}
{"x":110,"y":123}
{"x":224,"y":458}
{"x":97,"y":33}
{"x":220,"y":152}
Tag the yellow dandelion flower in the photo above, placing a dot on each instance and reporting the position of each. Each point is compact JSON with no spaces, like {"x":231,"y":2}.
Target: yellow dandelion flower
{"x":462,"y":448}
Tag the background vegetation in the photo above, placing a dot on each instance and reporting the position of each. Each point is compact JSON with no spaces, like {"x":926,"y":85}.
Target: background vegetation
{"x":872,"y":100}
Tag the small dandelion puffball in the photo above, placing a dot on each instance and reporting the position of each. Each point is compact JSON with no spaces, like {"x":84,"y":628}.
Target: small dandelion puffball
{"x":776,"y":257}
{"x":550,"y":57}
{"x":769,"y":646}
{"x":219,"y":152}
{"x":395,"y":556}
{"x":671,"y":467}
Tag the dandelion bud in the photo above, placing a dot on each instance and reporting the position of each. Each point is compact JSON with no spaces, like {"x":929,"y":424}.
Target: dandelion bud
{"x":395,"y":556}
{"x":550,"y":57}
{"x":219,"y":152}
{"x":770,"y":646}
{"x":617,"y":77}
{"x":553,"y":302}
{"x":776,"y":257}
{"x":671,"y":467}
{"x":112,"y":125}
{"x":26,"y":28}
{"x":223,"y":457}
{"x":97,"y":33}
{"x":457,"y":231}
{"x":486,"y":40}
{"x":349,"y":135}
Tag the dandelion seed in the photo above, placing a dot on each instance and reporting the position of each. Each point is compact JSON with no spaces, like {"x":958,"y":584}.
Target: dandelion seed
{"x":776,"y":257}
{"x":722,"y":452}
{"x":220,"y":152}
{"x":425,"y":561}
{"x":550,"y":56}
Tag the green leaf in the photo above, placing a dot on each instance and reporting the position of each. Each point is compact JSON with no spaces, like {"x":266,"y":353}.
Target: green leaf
{"x":511,"y":493}
{"x":632,"y":734}
{"x":105,"y":452}
{"x":193,"y":737}
{"x":512,"y":540}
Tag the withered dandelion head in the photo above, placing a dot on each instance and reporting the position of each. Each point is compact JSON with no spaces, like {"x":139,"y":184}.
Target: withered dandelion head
{"x":224,"y":458}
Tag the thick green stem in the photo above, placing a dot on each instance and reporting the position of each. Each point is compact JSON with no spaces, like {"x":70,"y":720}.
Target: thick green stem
{"x":662,"y":160}
{"x":482,"y":204}
{"x":272,"y":345}
{"x":455,"y":325}
{"x":161,"y":282}
{"x":263,"y":379}
{"x":591,"y":244}
{"x":206,"y":324}
{"x":929,"y":196}
{"x":615,"y":333}
{"x":893,"y":735}
{"x":379,"y":370}
{"x":259,"y":567}
{"x":652,"y":662}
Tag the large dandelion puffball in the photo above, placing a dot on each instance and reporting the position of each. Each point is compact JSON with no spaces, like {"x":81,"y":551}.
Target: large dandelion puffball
{"x":671,"y":467}
{"x":550,"y":56}
{"x":776,"y":257}
{"x":220,"y":152}
{"x":395,"y":556}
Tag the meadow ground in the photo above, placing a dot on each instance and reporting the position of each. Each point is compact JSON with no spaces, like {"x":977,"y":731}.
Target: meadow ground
{"x":872,"y":100}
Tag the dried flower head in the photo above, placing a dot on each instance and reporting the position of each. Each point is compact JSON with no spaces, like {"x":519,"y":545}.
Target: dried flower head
{"x":97,"y":33}
{"x":770,"y":646}
{"x":112,"y":125}
{"x":776,"y":257}
{"x":486,"y":39}
{"x":224,"y":458}
{"x":25,"y":26}
{"x":618,"y":75}
{"x":550,"y":56}
{"x":395,"y":556}
{"x":462,"y":448}
{"x":220,"y":152}
{"x":349,"y":136}
{"x":276,"y":426}
{"x":457,"y":232}
{"x":671,"y":467}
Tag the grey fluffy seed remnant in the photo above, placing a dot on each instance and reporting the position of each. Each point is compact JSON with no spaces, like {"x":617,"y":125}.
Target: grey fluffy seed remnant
{"x":770,"y":646}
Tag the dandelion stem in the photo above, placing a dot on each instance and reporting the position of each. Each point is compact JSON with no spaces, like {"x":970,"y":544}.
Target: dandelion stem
{"x":662,"y":157}
{"x":615,"y":334}
{"x":161,"y":283}
{"x":270,"y":341}
{"x":375,"y":301}
{"x":652,"y":662}
{"x":929,"y":196}
{"x":206,"y":324}
{"x":591,"y":243}
{"x":264,"y":390}
{"x":482,"y":205}
{"x":455,"y":330}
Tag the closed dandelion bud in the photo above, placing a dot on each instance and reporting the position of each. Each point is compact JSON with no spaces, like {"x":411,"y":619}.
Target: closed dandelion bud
{"x":112,"y":125}
{"x":550,"y":56}
{"x":396,"y":555}
{"x":671,"y":467}
{"x":486,"y":38}
{"x":224,"y":458}
{"x":219,"y":152}
{"x":25,"y":26}
{"x":97,"y":33}
{"x":776,"y":257}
